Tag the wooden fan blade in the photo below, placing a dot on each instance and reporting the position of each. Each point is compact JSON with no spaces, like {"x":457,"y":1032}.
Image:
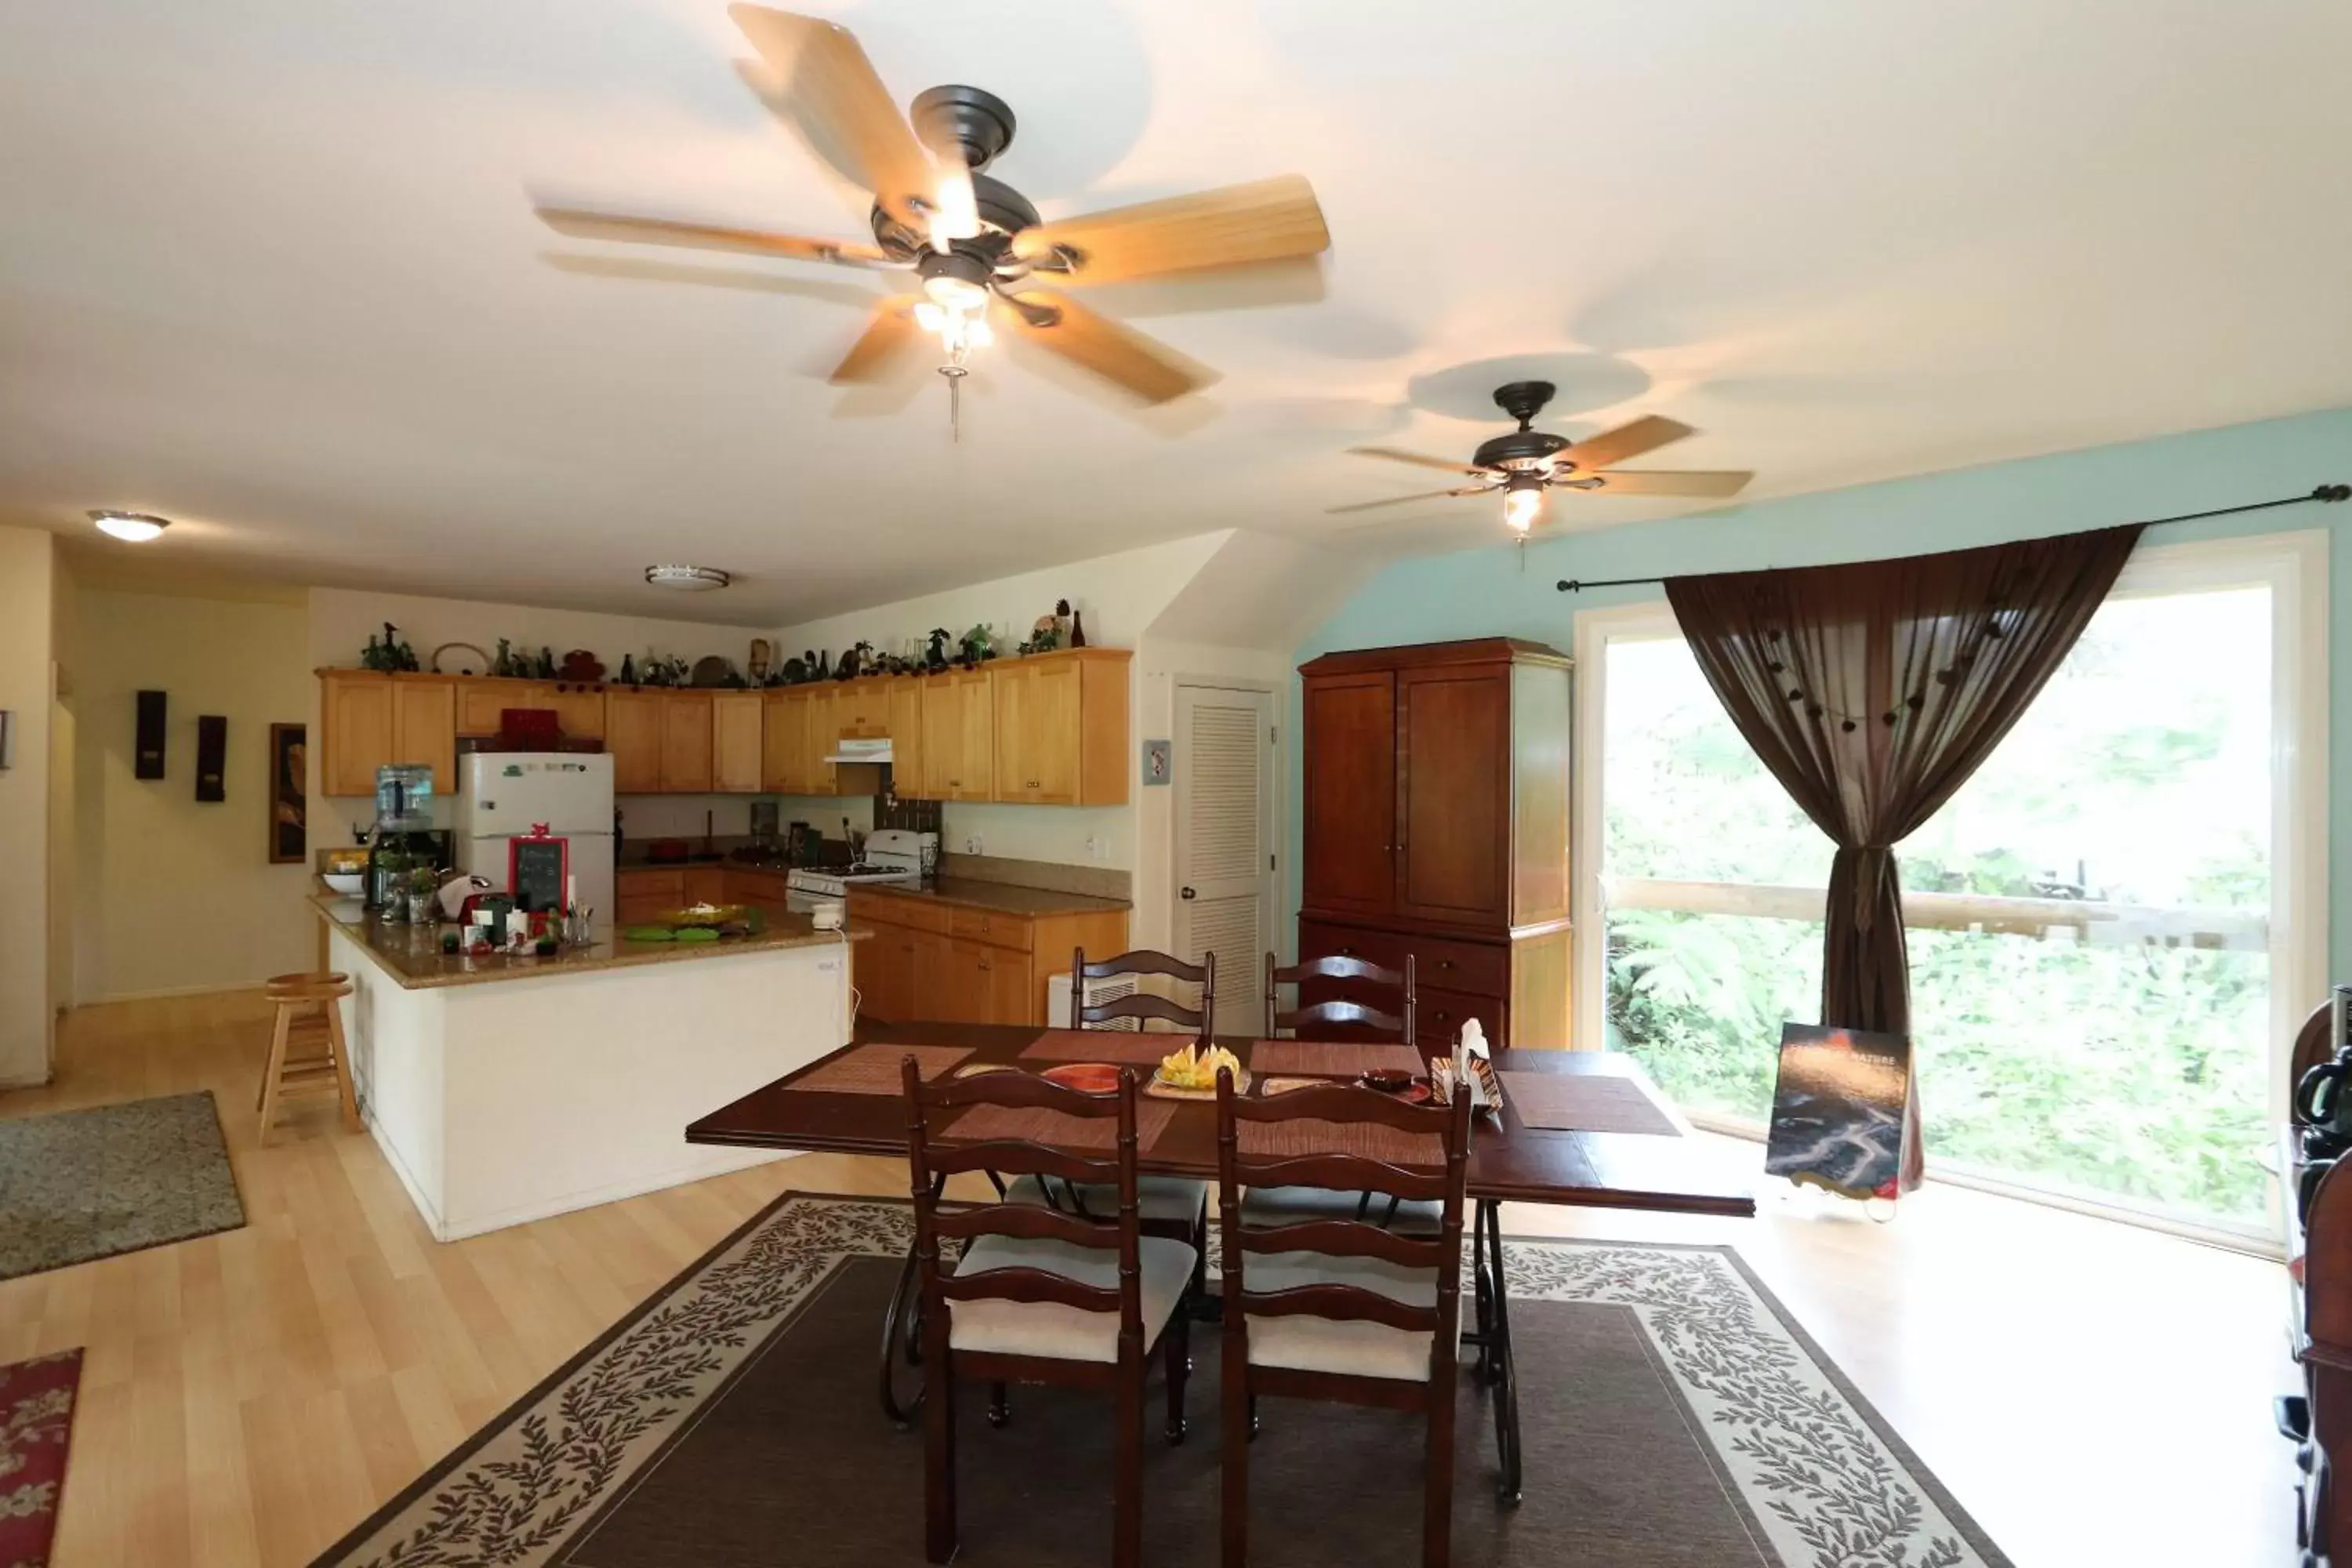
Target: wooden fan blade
{"x":1399,"y":455}
{"x":825,"y":75}
{"x":1657,"y":482}
{"x":1647,"y":434}
{"x":1399,"y":501}
{"x":1266,"y":220}
{"x":889,"y":333}
{"x":1150,"y":370}
{"x":581,"y":224}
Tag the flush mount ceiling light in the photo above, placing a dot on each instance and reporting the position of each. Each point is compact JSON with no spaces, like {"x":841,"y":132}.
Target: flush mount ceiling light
{"x":687,"y":579}
{"x":137,"y":527}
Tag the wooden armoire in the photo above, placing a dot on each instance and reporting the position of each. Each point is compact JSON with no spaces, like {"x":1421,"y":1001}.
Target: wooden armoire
{"x":1435,"y":779}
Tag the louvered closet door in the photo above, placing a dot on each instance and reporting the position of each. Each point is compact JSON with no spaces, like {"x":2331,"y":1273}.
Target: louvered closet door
{"x":1224,"y":843}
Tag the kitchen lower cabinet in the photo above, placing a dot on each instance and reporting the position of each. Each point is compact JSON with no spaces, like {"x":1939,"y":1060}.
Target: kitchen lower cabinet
{"x":931,"y":960}
{"x":647,"y":893}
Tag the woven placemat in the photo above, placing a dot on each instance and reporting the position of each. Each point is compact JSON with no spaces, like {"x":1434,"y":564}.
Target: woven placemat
{"x":1298,"y":1136}
{"x":1578,"y":1103}
{"x":874,"y":1069}
{"x":1334,"y":1059}
{"x":1129,"y":1047}
{"x":1036,"y":1124}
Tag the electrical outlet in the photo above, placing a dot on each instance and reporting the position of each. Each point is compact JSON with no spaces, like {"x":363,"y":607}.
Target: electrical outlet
{"x":972,"y":843}
{"x":1094,"y":847}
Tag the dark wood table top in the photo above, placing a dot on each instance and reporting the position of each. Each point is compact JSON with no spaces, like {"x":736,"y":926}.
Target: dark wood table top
{"x":1522,"y":1165}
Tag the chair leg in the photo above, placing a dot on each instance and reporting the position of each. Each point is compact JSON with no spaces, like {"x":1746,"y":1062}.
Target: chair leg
{"x":1176,"y":1345}
{"x":1127,"y":1459}
{"x":999,"y":1405}
{"x":1234,"y":1502}
{"x":277,"y":1066}
{"x":938,"y":1452}
{"x":342,"y":1048}
{"x":1437,"y":1496}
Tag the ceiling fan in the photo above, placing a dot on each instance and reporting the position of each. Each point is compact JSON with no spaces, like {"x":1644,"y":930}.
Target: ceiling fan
{"x":1526,"y":463}
{"x":976,"y":248}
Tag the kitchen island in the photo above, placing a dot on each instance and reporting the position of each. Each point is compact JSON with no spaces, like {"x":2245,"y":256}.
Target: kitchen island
{"x":507,"y":1089}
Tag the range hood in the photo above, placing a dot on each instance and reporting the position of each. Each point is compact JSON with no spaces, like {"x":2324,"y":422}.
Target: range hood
{"x":851,"y":749}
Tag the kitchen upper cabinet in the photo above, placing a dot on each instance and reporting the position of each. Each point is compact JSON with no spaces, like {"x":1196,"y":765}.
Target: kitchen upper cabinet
{"x":633,"y":734}
{"x":1348,"y":785}
{"x":942,"y":731}
{"x":686,"y":743}
{"x":907,"y":767}
{"x":483,"y":700}
{"x":862,"y":707}
{"x":482,"y":703}
{"x":372,"y":719}
{"x":1061,"y":727}
{"x":783,"y":720}
{"x":735,"y":747}
{"x":580,"y":711}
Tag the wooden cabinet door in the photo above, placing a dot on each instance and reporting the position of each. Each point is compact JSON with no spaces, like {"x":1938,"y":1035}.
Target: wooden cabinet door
{"x":779,"y":725}
{"x":1012,"y":690}
{"x":686,"y":743}
{"x":1009,"y":992}
{"x":942,"y":737}
{"x":424,"y":729}
{"x":862,"y":707}
{"x":906,"y":740}
{"x":822,"y":734}
{"x":480,"y":704}
{"x":969,"y":988}
{"x":580,"y":711}
{"x":356,"y":713}
{"x":976,"y":724}
{"x":633,"y":734}
{"x":1050,"y":733}
{"x":1350,"y":785}
{"x":735,"y":742}
{"x":1454,"y":794}
{"x":876,"y":967}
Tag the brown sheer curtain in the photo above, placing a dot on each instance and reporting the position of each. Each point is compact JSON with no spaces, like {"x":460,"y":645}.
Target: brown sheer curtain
{"x":1873,"y":690}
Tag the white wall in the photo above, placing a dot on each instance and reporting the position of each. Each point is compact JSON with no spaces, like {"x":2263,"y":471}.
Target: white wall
{"x":28,"y":619}
{"x":341,"y":620}
{"x":180,"y":896}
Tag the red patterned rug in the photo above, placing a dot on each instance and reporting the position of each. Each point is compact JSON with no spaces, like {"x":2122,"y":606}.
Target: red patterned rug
{"x":36,"y":1401}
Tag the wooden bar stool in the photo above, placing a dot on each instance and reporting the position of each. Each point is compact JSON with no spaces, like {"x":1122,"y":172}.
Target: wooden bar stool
{"x":308,"y":1053}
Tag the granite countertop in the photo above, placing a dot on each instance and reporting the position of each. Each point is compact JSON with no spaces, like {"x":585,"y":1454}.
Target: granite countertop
{"x":1000,"y":898}
{"x":412,"y":955}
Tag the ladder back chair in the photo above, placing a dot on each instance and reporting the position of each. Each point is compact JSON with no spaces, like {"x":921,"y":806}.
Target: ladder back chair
{"x":1038,"y":1295}
{"x":1336,"y":1308}
{"x":1287,"y":1206}
{"x":1144,"y":1005}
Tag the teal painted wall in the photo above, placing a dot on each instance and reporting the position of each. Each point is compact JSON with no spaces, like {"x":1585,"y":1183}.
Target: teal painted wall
{"x":1490,"y":592}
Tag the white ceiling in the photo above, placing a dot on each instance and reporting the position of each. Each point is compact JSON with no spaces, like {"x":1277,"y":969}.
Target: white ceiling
{"x":269,"y":266}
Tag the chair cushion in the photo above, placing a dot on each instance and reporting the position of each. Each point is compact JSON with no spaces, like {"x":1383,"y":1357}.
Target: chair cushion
{"x":1172,"y":1199}
{"x":1326,"y":1344}
{"x":1049,"y":1327}
{"x":1262,"y":1207}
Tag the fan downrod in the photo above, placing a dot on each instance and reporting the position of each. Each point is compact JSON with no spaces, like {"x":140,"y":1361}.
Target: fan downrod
{"x":1522,"y":400}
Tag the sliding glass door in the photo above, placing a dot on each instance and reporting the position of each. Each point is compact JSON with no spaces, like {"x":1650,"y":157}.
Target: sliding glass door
{"x":2114,"y":927}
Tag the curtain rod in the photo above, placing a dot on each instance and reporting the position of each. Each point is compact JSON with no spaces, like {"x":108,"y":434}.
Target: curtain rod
{"x":2322,"y":494}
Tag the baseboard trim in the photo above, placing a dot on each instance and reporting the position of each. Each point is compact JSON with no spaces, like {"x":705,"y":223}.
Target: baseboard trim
{"x":167,"y":991}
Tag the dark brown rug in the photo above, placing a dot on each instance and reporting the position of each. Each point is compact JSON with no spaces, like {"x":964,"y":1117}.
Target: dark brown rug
{"x":1673,"y":1417}
{"x":81,"y":1184}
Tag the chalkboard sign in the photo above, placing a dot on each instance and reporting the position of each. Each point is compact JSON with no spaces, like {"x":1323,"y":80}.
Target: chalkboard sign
{"x":537,"y":870}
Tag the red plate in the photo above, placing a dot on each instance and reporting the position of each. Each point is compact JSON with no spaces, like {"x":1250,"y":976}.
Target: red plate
{"x":1087,"y":1078}
{"x":1417,"y":1095}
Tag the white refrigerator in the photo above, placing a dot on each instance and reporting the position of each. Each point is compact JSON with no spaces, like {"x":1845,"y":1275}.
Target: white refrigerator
{"x":503,"y":795}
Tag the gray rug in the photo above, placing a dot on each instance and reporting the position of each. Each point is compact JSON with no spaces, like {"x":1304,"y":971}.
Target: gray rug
{"x":80,"y":1184}
{"x":1673,"y":1417}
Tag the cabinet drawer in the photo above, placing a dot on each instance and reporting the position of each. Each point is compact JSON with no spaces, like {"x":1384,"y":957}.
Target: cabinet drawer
{"x":670,"y":885}
{"x":916,"y":914}
{"x":765,"y":889}
{"x":1438,"y":1017}
{"x":990,"y":926}
{"x":1437,"y":962}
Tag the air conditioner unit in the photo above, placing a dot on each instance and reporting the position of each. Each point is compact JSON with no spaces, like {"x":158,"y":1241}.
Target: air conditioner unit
{"x":1057,"y":1000}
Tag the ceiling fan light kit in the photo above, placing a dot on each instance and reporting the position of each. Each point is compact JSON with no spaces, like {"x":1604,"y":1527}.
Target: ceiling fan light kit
{"x":976,"y":246}
{"x":687,"y":579}
{"x":1525,"y":464}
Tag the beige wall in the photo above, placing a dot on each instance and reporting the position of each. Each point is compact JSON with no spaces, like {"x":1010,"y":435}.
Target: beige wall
{"x":179,"y":896}
{"x":28,"y":619}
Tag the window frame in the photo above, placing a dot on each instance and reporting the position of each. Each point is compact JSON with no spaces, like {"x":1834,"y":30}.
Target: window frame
{"x":2292,"y":565}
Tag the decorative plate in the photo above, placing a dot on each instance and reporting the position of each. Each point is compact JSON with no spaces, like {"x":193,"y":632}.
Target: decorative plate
{"x":1087,"y":1078}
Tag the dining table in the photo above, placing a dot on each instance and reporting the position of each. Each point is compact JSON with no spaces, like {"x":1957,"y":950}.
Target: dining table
{"x":1610,"y":1140}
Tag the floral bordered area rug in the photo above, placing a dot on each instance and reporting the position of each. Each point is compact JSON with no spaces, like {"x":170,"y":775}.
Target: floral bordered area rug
{"x":1672,"y":1413}
{"x":36,"y":1403}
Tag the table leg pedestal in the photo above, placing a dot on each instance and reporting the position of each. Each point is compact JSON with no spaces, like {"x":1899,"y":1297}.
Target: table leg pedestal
{"x":1495,"y":1367}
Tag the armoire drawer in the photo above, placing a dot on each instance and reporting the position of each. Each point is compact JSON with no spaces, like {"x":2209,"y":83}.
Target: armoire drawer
{"x":1438,"y":1017}
{"x":1447,"y":966}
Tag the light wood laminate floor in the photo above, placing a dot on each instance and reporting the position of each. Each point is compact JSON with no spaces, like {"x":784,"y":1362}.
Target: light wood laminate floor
{"x":2094,"y":1393}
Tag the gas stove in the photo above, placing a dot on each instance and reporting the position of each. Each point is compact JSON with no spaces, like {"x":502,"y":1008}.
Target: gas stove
{"x":893,"y":857}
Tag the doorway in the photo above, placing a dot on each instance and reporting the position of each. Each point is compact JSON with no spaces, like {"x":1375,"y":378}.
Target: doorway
{"x":1225,"y":854}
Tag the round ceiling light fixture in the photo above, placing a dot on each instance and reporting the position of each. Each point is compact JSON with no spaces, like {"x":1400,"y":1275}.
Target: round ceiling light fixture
{"x":687,"y":579}
{"x":137,"y":527}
